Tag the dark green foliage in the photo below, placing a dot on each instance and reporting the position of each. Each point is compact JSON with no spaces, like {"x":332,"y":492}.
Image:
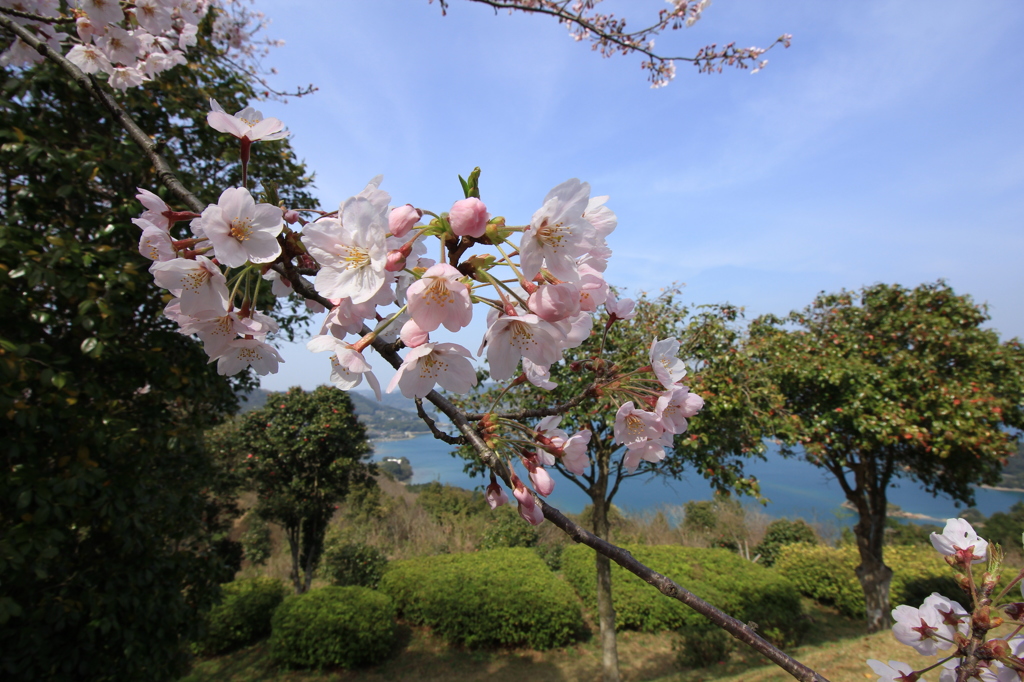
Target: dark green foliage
{"x":333,"y":626}
{"x":551,"y":554}
{"x":353,"y":564}
{"x":112,"y":518}
{"x":500,"y":597}
{"x":445,"y":502}
{"x":256,"y":540}
{"x":1005,"y":527}
{"x":899,"y":533}
{"x":742,"y":589}
{"x":398,"y":468}
{"x":827,"y":575}
{"x":302,"y":452}
{"x":702,"y":643}
{"x":243,"y":616}
{"x":506,"y":529}
{"x":780,"y":533}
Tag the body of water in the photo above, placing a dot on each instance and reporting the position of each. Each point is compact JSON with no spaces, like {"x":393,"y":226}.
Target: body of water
{"x":795,"y":488}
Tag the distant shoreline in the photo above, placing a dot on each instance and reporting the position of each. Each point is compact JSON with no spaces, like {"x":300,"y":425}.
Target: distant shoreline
{"x":404,"y":435}
{"x":1003,"y":489}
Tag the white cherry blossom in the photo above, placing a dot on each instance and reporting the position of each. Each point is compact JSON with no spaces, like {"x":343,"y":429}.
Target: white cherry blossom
{"x":667,"y":367}
{"x":242,"y":353}
{"x":247,"y":123}
{"x":242,"y":230}
{"x":446,"y":364}
{"x":558,"y":233}
{"x":352,"y":251}
{"x":959,"y":535}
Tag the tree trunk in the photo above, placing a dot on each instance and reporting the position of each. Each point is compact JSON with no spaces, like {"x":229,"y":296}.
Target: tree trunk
{"x":605,"y":607}
{"x":872,"y":572}
{"x":292,"y":533}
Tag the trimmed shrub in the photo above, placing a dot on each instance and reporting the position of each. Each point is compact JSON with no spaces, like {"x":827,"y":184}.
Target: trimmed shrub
{"x":243,"y":616}
{"x":744,"y":590}
{"x":703,"y":644}
{"x":499,"y":597}
{"x":780,"y":533}
{"x":333,"y":626}
{"x":353,"y":564}
{"x":828,"y":575}
{"x":506,"y":529}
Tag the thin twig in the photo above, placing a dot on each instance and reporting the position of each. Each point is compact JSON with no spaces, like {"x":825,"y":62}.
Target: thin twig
{"x":438,"y":433}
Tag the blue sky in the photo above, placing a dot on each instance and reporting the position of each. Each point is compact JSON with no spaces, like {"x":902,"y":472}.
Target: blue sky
{"x":885,"y":145}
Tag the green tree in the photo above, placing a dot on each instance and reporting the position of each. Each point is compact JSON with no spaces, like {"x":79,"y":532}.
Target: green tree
{"x":302,"y":452}
{"x":894,"y":383}
{"x":728,"y":430}
{"x":110,"y":531}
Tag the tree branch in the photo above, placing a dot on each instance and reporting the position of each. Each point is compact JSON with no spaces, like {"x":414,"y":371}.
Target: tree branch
{"x":89,"y":84}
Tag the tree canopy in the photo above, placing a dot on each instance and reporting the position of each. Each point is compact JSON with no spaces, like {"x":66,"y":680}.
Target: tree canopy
{"x":301,"y":453}
{"x":890,"y":383}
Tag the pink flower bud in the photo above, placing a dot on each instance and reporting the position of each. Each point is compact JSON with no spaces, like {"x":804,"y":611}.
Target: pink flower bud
{"x":402,"y":219}
{"x":542,"y":481}
{"x":291,"y":217}
{"x":412,"y":335}
{"x":555,"y":302}
{"x":469,"y":217}
{"x":495,"y":495}
{"x":395,"y":261}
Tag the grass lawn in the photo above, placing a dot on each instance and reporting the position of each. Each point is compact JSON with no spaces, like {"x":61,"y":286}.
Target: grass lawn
{"x":836,"y":647}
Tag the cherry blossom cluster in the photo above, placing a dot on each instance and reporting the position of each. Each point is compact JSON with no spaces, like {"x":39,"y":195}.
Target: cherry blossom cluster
{"x":942,"y":627}
{"x":540,"y":285}
{"x":129,"y":42}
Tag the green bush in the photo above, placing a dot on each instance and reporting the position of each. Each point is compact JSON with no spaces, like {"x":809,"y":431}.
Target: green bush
{"x":828,"y":575}
{"x":551,"y":554}
{"x":506,"y":529}
{"x":742,"y":589}
{"x":333,"y":626}
{"x":780,"y":533}
{"x":500,"y":597}
{"x":353,"y":564}
{"x":243,"y":616}
{"x":703,"y":644}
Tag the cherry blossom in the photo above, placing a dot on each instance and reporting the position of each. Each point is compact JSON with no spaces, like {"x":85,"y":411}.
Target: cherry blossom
{"x":575,"y":457}
{"x":620,"y":310}
{"x":959,"y":536}
{"x":676,"y":406}
{"x":542,"y":481}
{"x":246,"y":124}
{"x":895,"y":671}
{"x":511,"y":337}
{"x":652,"y":451}
{"x":440,"y":298}
{"x":351,"y":252}
{"x":667,"y":367}
{"x":927,"y":629}
{"x":242,"y":230}
{"x":155,"y":243}
{"x":90,"y":59}
{"x":102,"y":12}
{"x":242,"y":353}
{"x":558,"y":233}
{"x":555,"y":302}
{"x":348,"y":366}
{"x":199,"y":283}
{"x":634,"y":426}
{"x":430,"y":363}
{"x":119,"y":45}
{"x":156,"y":209}
{"x":153,"y":16}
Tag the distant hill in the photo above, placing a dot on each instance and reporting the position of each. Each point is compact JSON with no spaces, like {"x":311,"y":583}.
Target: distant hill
{"x":393,"y":417}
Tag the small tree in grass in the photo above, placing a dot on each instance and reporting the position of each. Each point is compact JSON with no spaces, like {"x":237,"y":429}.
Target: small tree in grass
{"x":302,"y":453}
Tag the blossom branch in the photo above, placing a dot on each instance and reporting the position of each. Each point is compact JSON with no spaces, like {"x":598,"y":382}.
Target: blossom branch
{"x":432,"y":425}
{"x":608,"y":35}
{"x":89,"y":84}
